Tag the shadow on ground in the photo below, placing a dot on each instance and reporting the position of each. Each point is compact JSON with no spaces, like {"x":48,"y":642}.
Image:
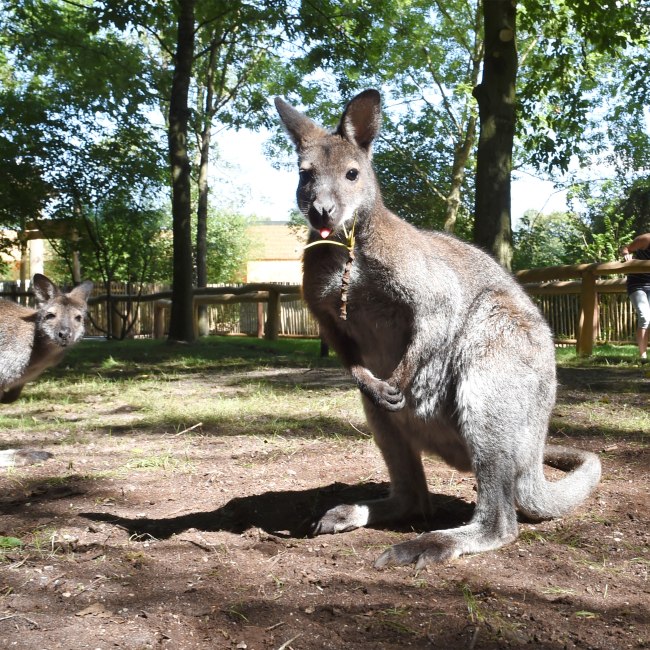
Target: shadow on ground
{"x":609,"y":380}
{"x":286,"y":514}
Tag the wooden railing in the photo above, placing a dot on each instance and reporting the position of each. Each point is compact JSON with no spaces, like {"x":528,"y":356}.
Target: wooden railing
{"x":276,"y":309}
{"x":150,"y":312}
{"x":585,"y":280}
{"x":270,"y":293}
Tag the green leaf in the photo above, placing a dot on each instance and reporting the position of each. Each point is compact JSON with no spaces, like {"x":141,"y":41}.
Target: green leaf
{"x":10,"y":542}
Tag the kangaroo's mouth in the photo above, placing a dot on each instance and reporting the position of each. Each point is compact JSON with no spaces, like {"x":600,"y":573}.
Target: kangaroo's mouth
{"x":322,"y":221}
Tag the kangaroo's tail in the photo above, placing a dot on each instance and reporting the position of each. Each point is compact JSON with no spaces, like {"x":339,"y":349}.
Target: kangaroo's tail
{"x":540,"y":499}
{"x":21,"y":457}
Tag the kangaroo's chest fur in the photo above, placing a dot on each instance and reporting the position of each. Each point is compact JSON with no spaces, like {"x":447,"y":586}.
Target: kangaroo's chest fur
{"x":400,"y":282}
{"x":374,"y":316}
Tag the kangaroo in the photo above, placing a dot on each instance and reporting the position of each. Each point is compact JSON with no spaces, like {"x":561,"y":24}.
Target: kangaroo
{"x":449,"y":353}
{"x":32,"y":340}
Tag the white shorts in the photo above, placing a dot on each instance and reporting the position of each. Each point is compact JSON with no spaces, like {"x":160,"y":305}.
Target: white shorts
{"x":640,"y":298}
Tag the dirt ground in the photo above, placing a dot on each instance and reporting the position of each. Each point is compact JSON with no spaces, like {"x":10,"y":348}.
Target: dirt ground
{"x":214,"y":553}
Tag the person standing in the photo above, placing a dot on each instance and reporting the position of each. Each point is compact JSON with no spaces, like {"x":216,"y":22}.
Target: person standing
{"x":638,"y":289}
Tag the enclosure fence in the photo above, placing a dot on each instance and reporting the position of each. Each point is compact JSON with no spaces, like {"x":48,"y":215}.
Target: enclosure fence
{"x":583,"y":304}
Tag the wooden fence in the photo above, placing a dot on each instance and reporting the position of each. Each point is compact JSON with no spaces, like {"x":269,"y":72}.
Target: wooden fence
{"x":582,"y":304}
{"x":578,"y":294}
{"x":241,"y":309}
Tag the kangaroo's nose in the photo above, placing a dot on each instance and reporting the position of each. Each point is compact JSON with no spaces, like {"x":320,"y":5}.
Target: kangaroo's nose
{"x":325,"y":208}
{"x":64,"y":333}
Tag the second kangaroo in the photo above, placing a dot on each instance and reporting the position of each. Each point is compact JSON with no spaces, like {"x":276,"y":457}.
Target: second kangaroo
{"x":32,"y":340}
{"x":450,"y":355}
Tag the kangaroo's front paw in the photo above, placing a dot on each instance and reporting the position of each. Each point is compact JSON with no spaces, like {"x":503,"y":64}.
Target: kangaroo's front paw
{"x":426,"y":549}
{"x":341,"y":519}
{"x":381,"y":393}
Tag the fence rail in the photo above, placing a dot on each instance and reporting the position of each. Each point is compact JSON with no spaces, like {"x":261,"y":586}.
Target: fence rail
{"x":596,"y":304}
{"x":580,"y":306}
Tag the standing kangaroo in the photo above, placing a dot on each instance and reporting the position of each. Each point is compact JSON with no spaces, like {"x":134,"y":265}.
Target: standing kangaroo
{"x":450,"y":355}
{"x":32,"y":340}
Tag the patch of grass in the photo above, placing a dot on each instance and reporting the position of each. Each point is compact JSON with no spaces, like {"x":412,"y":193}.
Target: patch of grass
{"x":474,"y":608}
{"x":137,"y":559}
{"x":41,"y":542}
{"x":235,"y":612}
{"x":9,"y":543}
{"x":481,"y":608}
{"x":134,"y":387}
{"x":603,"y":355}
{"x":395,"y":619}
{"x":567,"y":535}
{"x":145,"y":356}
{"x":149,"y":388}
{"x":165,"y":461}
{"x":530,"y":536}
{"x":559,"y":591}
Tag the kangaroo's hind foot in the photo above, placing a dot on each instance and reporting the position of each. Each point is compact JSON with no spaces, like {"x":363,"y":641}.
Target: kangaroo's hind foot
{"x":444,"y":545}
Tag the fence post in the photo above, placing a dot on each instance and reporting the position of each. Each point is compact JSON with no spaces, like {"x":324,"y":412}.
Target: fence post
{"x":117,"y":323}
{"x":588,"y":325}
{"x":260,"y":320}
{"x":273,"y":316}
{"x":159,"y":318}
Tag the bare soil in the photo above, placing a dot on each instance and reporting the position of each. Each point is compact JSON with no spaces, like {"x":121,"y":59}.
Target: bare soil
{"x":214,"y":552}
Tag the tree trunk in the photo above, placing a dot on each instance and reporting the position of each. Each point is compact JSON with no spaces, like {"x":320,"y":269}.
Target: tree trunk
{"x":202,"y":209}
{"x":461,"y":156}
{"x":464,"y":147}
{"x":202,"y":230}
{"x":182,"y":317}
{"x":496,"y":101}
{"x":76,"y":261}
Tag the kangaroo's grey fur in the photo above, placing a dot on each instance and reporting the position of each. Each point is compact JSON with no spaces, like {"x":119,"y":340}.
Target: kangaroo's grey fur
{"x":449,"y":353}
{"x":32,"y":340}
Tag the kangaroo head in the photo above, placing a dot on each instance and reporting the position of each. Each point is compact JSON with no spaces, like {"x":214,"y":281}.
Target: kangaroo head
{"x":60,"y":316}
{"x":336,"y":176}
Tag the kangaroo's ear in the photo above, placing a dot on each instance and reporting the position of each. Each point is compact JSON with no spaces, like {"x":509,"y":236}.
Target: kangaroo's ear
{"x":299,"y":127}
{"x":361,"y":119}
{"x":44,"y":289}
{"x":82,"y":291}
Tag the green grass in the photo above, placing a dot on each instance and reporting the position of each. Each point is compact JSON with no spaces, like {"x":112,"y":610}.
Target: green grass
{"x":119,"y":360}
{"x":603,"y":355}
{"x":150,"y":387}
{"x":116,"y":389}
{"x":140,"y":357}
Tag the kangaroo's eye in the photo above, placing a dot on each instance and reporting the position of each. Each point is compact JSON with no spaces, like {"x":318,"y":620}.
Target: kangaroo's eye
{"x":50,"y":316}
{"x":305,"y":175}
{"x":78,"y":319}
{"x":352,"y":174}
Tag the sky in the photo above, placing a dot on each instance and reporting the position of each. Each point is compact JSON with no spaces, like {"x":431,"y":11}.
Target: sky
{"x":250,"y":181}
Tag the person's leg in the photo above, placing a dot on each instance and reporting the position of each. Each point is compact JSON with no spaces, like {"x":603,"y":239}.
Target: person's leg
{"x":642,"y":342}
{"x":641,"y":301}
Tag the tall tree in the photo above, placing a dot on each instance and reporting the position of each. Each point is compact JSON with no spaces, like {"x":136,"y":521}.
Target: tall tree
{"x":73,"y":103}
{"x":225,"y":71}
{"x":181,"y":326}
{"x":235,"y":63}
{"x":496,"y":101}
